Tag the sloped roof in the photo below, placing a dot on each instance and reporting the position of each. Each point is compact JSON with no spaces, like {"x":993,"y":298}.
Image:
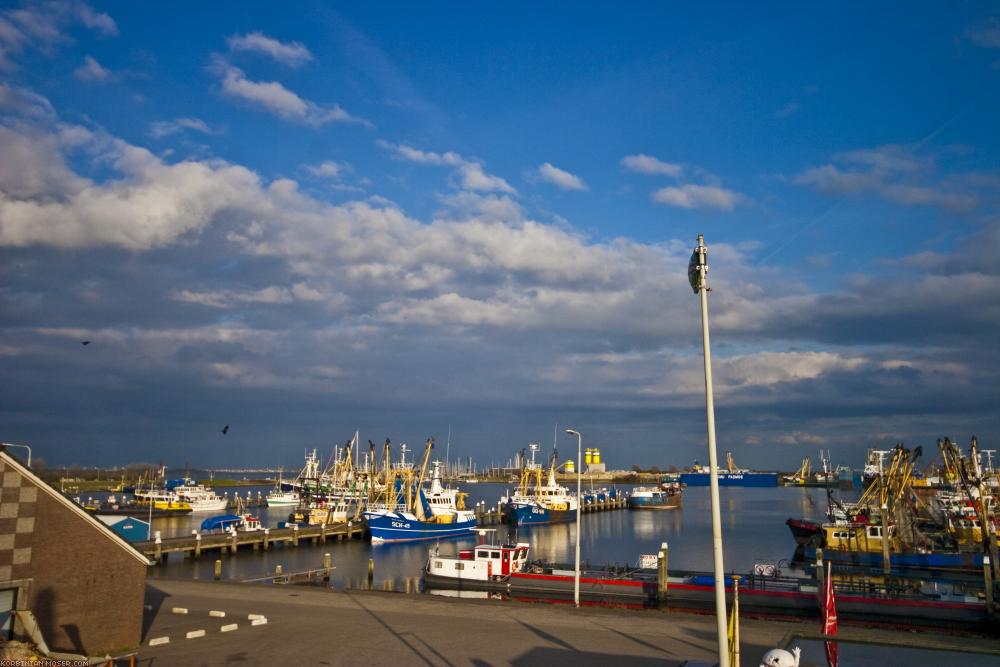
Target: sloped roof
{"x":109,"y":534}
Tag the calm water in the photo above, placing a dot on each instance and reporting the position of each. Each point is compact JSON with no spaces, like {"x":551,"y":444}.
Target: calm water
{"x":753,"y":530}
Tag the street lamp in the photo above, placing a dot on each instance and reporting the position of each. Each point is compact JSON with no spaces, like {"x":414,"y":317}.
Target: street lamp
{"x":579,"y":467}
{"x":11,"y":444}
{"x":697,"y":272}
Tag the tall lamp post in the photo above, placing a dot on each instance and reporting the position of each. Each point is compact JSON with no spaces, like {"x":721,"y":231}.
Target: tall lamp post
{"x":697,"y":276}
{"x":579,"y":466}
{"x":11,"y":444}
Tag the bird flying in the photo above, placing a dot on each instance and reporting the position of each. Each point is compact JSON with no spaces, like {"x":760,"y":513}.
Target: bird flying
{"x":225,"y":429}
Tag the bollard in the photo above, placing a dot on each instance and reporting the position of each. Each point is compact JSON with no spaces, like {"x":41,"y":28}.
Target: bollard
{"x":159,"y":548}
{"x":233,"y":544}
{"x":661,"y":572}
{"x":322,"y":533}
{"x":218,"y":570}
{"x":295,"y":534}
{"x":820,"y":578}
{"x":277,"y":570}
{"x":371,"y":572}
{"x":327,"y":566}
{"x":197,"y":544}
{"x":988,"y":580}
{"x":267,"y":534}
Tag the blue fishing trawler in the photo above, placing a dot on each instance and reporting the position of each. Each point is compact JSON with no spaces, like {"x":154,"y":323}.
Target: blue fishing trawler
{"x":406,"y":514}
{"x":538,"y":503}
{"x":731,"y":476}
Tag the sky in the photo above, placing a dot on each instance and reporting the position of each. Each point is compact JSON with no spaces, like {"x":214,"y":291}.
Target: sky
{"x":405,"y":219}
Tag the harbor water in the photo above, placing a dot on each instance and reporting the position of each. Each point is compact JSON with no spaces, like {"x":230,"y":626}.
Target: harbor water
{"x":754,"y":531}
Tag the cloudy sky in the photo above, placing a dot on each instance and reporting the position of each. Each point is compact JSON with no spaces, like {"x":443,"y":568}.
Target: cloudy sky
{"x":393,"y":219}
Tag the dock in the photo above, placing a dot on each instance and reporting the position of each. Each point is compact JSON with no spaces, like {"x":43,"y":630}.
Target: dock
{"x":158,"y":549}
{"x":494,"y":516}
{"x":192,"y":546}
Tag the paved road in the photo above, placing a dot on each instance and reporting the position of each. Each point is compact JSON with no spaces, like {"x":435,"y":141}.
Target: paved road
{"x":314,"y":626}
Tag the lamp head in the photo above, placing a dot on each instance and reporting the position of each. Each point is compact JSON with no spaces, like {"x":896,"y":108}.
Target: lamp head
{"x":572,"y":432}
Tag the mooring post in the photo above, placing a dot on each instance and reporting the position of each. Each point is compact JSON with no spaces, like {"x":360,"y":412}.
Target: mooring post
{"x":218,"y":570}
{"x":322,"y":533}
{"x":159,"y":547}
{"x":295,"y":534}
{"x":988,"y":582}
{"x":233,"y":544}
{"x":327,"y":566}
{"x":820,"y":578}
{"x":661,"y":572}
{"x":197,"y":544}
{"x":371,"y":572}
{"x":267,"y":533}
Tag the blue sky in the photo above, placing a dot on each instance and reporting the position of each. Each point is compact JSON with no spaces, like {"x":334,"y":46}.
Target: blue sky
{"x":395,"y":217}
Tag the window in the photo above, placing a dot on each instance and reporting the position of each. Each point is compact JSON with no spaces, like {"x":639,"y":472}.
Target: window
{"x":482,"y":554}
{"x":495,"y":554}
{"x":438,"y":564}
{"x":459,"y":566}
{"x":7,"y":598}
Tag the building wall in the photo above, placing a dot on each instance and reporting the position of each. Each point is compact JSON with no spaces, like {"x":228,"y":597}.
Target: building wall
{"x":85,"y":589}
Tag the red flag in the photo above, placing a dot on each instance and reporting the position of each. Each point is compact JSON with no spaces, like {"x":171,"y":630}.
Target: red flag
{"x":829,"y":617}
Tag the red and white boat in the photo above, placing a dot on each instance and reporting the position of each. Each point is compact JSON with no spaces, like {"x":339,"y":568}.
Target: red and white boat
{"x":479,"y":568}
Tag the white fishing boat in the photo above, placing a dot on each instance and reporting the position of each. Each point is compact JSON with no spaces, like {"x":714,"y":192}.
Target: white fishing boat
{"x":200,"y":498}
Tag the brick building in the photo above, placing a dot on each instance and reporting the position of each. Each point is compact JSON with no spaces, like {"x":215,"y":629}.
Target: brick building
{"x":83,"y":584}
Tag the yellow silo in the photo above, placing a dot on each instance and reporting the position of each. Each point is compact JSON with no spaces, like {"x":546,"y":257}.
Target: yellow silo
{"x":587,"y":456}
{"x":570,"y":466}
{"x":595,"y":456}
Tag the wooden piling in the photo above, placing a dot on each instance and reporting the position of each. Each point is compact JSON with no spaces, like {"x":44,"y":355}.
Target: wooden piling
{"x":267,"y":535}
{"x":295,"y":534}
{"x":327,"y":566}
{"x":988,"y":582}
{"x":197,"y":545}
{"x":218,"y":570}
{"x":322,"y":534}
{"x":661,"y":572}
{"x":233,"y":542}
{"x":371,"y":572}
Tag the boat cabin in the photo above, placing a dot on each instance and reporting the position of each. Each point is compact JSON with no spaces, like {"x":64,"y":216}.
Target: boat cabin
{"x":856,"y":537}
{"x":483,"y":563}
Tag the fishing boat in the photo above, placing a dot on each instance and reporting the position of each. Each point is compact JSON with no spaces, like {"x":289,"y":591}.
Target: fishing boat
{"x":535,"y":502}
{"x":229,"y":522}
{"x":478,"y":568}
{"x":667,"y":496}
{"x":731,"y":476}
{"x":403,"y":513}
{"x":196,"y":496}
{"x":161,"y":500}
{"x":280,"y":496}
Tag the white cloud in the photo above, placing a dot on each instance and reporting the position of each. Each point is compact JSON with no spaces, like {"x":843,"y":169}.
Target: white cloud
{"x":328,"y":169}
{"x":986,"y":34}
{"x":24,"y":102}
{"x":560,"y":178}
{"x":698,"y":196}
{"x":895,"y":173}
{"x":292,"y":54}
{"x":410,"y":154}
{"x":92,"y":71}
{"x":164,"y":128}
{"x":647,"y":164}
{"x":266,"y":295}
{"x":275,"y":98}
{"x":42,"y":25}
{"x":150,"y":204}
{"x":469,"y":175}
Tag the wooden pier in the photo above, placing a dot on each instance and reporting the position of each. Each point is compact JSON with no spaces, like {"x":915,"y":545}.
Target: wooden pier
{"x":158,"y":549}
{"x":193,"y":545}
{"x":494,"y":515}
